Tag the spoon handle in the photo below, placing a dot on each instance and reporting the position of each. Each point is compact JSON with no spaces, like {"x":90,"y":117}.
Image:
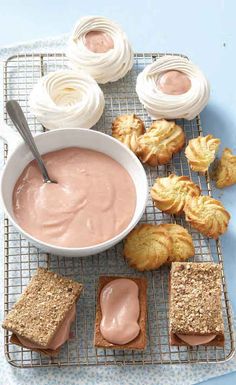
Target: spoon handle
{"x":18,"y":118}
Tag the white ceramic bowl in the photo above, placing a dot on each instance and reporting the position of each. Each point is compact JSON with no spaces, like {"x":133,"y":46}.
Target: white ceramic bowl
{"x":20,"y":156}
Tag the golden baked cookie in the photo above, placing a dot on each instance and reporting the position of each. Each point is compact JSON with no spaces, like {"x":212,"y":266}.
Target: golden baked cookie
{"x":169,"y":193}
{"x":225,"y":172}
{"x":160,"y":142}
{"x":207,"y":215}
{"x":182,"y":243}
{"x":147,"y":247}
{"x":127,"y":129}
{"x":201,"y":152}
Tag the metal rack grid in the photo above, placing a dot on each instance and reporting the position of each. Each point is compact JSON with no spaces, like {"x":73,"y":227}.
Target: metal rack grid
{"x":21,"y":72}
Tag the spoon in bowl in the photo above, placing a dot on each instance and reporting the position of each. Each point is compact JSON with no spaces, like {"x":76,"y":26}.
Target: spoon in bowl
{"x":18,"y":118}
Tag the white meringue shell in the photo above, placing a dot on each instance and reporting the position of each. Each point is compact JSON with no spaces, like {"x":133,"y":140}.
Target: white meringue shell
{"x":103,"y":67}
{"x":164,"y":106}
{"x":67,"y":98}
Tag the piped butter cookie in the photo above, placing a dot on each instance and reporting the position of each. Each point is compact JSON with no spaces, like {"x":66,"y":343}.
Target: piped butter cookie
{"x":207,"y":215}
{"x":147,"y":247}
{"x":161,"y":141}
{"x":169,"y":193}
{"x":201,"y":152}
{"x":225,"y":171}
{"x":127,"y":129}
{"x":182,"y":243}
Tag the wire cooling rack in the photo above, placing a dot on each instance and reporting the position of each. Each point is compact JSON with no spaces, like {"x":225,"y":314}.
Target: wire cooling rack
{"x":21,"y":72}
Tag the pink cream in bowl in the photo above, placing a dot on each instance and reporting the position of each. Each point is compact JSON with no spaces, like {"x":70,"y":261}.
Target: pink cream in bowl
{"x":93,"y":201}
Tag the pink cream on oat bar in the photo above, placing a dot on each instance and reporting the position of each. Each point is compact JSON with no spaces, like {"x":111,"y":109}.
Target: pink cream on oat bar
{"x":61,"y":336}
{"x":119,"y":301}
{"x":194,"y":340}
{"x":93,"y":201}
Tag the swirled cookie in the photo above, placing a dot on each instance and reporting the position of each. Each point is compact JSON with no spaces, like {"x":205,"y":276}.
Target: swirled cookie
{"x":147,"y":247}
{"x":172,"y":87}
{"x":182,"y":243}
{"x":160,"y":142}
{"x":127,"y":129}
{"x":225,"y":172}
{"x":207,"y":215}
{"x":169,"y":193}
{"x":201,"y":152}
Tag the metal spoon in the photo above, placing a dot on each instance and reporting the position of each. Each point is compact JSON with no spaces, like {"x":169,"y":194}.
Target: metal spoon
{"x":18,"y":118}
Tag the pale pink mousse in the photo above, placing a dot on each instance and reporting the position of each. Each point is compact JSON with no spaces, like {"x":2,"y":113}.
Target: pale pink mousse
{"x":174,"y":83}
{"x":120,"y":308}
{"x":93,"y":201}
{"x":98,"y":41}
{"x":194,"y":340}
{"x":61,"y":336}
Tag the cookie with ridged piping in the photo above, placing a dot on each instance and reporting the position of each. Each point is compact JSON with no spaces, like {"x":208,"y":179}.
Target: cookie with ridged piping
{"x":207,"y":215}
{"x":127,"y":129}
{"x":182,"y":242}
{"x":162,"y":140}
{"x":147,"y":247}
{"x":169,"y":193}
{"x":201,"y":152}
{"x":225,"y":172}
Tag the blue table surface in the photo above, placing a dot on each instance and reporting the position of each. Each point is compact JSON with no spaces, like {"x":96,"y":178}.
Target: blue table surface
{"x":204,"y":30}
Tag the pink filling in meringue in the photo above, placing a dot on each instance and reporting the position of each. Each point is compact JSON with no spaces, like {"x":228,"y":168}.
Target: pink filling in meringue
{"x":173,"y":83}
{"x":98,"y":41}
